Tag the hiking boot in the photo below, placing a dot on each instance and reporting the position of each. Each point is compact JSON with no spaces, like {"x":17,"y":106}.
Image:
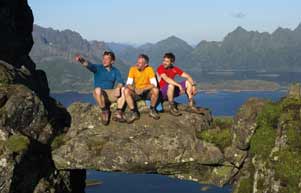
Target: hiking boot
{"x":191,"y":103}
{"x":154,"y":114}
{"x":119,"y":117}
{"x":132,"y":116}
{"x":196,"y":110}
{"x":174,"y":111}
{"x":105,"y":116}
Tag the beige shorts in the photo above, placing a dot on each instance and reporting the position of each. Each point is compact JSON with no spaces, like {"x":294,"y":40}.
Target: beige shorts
{"x":109,"y":95}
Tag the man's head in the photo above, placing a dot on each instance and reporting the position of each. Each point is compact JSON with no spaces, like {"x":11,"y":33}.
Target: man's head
{"x":168,"y":59}
{"x":142,"y":61}
{"x":108,"y":58}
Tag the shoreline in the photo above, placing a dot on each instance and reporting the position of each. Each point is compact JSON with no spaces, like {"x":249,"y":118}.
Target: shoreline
{"x":209,"y":91}
{"x":233,"y":86}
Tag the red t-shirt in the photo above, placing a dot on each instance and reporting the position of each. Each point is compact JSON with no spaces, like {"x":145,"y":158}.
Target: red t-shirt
{"x":171,"y":72}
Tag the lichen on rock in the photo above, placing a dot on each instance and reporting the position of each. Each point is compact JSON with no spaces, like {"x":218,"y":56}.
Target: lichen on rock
{"x":17,"y":143}
{"x":219,"y":133}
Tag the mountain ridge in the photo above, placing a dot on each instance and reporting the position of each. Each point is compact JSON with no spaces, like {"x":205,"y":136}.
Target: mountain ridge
{"x":240,"y":51}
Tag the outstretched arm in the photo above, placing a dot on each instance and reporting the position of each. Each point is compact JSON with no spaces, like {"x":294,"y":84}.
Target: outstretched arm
{"x":86,"y":63}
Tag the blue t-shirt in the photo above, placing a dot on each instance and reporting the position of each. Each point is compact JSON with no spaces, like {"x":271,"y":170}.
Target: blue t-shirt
{"x":104,"y":78}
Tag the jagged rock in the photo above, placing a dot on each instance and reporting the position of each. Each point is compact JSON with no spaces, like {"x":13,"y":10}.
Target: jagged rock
{"x":235,"y":156}
{"x":273,"y":165}
{"x":36,"y":80}
{"x":29,"y":117}
{"x":217,"y":175}
{"x":294,"y":90}
{"x":223,"y":175}
{"x":245,"y":122}
{"x":24,"y":112}
{"x":145,"y":146}
{"x":244,"y":182}
{"x":3,"y":99}
{"x":28,"y":124}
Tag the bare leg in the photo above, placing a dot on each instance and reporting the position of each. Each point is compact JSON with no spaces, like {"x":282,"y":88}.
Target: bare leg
{"x":121,"y":99}
{"x":128,"y":93}
{"x":129,"y":97}
{"x":100,"y":99}
{"x":98,"y":95}
{"x":189,"y":90}
{"x":170,"y":93}
{"x":154,"y":96}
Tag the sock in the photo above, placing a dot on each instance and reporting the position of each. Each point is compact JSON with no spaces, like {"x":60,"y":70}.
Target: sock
{"x":134,"y":110}
{"x":104,"y":109}
{"x":191,"y":102}
{"x":152,"y":108}
{"x":171,"y":103}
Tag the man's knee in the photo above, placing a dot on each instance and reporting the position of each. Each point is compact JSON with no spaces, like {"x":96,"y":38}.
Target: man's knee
{"x":171,"y":87}
{"x":98,"y":92}
{"x":127,"y":92}
{"x":155,"y":91}
{"x":188,"y":84}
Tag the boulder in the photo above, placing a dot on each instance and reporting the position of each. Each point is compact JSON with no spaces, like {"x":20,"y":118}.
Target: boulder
{"x":28,"y":124}
{"x":29,"y":117}
{"x":166,"y":146}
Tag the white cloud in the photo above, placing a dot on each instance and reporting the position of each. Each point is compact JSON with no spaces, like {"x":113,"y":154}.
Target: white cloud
{"x":239,"y":15}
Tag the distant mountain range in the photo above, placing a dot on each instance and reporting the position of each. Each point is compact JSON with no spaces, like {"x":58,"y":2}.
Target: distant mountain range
{"x":240,"y":51}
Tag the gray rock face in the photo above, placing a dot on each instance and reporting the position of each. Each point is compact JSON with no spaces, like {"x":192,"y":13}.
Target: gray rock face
{"x":24,"y":113}
{"x":29,"y":120}
{"x":245,"y":122}
{"x":294,"y":90}
{"x":168,"y":146}
{"x":29,"y":117}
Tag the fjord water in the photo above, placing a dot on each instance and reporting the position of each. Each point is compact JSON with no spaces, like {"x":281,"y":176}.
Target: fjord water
{"x":147,"y":183}
{"x":221,"y":104}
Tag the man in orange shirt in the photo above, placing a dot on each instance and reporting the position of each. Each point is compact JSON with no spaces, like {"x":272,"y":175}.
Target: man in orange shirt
{"x":141,"y":84}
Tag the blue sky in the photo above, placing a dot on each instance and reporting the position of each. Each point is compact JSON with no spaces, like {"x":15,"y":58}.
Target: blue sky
{"x":138,"y":21}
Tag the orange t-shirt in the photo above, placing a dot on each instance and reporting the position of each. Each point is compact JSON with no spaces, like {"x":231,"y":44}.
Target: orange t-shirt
{"x":141,"y":78}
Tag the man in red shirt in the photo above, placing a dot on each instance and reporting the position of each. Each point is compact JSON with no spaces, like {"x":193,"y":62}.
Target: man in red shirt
{"x":170,"y":88}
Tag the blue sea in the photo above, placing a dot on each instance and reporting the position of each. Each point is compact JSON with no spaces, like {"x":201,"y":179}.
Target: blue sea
{"x":221,"y":104}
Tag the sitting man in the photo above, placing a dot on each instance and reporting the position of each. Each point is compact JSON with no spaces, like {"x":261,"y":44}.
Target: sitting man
{"x":105,"y":77}
{"x":141,"y":84}
{"x":170,"y":89}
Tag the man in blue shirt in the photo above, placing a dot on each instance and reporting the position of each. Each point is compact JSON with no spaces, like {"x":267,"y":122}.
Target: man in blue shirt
{"x":105,"y":78}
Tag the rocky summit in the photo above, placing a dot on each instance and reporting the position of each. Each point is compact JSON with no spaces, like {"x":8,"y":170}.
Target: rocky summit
{"x":168,"y":146}
{"x":194,"y":147}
